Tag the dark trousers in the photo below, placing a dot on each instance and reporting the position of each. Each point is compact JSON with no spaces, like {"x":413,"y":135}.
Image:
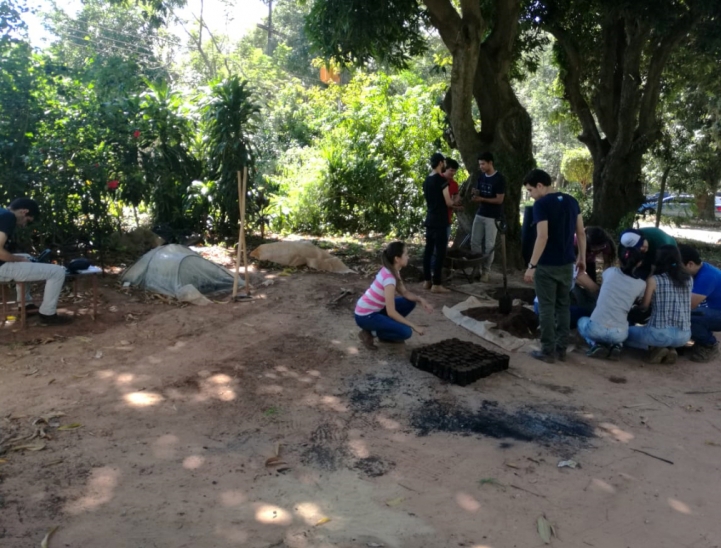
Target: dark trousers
{"x":436,"y":244}
{"x":386,"y":328}
{"x":704,"y":321}
{"x":553,"y":289}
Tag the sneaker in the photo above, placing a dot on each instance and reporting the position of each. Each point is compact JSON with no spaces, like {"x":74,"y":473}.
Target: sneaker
{"x":439,"y":289}
{"x":54,"y":319}
{"x":702,"y":353}
{"x":542,"y":356}
{"x":486,"y":277}
{"x":599,"y":351}
{"x":366,"y":338}
{"x":615,"y":354}
{"x":671,"y":358}
{"x":656,"y":355}
{"x":561,"y":354}
{"x":427,"y":284}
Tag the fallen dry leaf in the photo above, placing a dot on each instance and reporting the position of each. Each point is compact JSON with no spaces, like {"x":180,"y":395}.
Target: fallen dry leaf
{"x":322,"y":521}
{"x":31,"y":373}
{"x":3,"y":461}
{"x":46,"y":541}
{"x":274,"y":461}
{"x":83,"y":339}
{"x":512,"y":465}
{"x":395,"y":502}
{"x":71,"y":426}
{"x":81,"y":375}
{"x":29,"y":447}
{"x":51,"y":381}
{"x":545,"y":530}
{"x":98,"y":354}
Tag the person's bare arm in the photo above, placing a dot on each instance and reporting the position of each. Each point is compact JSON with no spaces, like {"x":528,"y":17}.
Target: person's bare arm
{"x":447,"y":197}
{"x":5,"y":255}
{"x":696,"y":300}
{"x":538,"y":248}
{"x":584,"y":280}
{"x":650,"y":289}
{"x":581,"y":241}
{"x":390,"y":294}
{"x":403,"y":292}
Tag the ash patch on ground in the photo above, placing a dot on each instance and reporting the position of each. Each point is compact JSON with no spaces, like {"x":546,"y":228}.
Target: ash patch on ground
{"x":323,"y":457}
{"x":374,"y":467}
{"x":525,"y":424}
{"x":369,"y":391}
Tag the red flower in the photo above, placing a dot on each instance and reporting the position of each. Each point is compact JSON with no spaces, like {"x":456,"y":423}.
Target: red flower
{"x":112,"y":185}
{"x":136,"y":134}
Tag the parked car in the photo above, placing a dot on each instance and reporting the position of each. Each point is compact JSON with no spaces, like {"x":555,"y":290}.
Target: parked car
{"x":717,"y":204}
{"x":675,"y":205}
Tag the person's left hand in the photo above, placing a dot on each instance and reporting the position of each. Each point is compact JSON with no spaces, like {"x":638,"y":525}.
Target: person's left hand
{"x":528,"y":276}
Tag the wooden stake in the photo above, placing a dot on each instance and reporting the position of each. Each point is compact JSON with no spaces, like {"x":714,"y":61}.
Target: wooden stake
{"x":242,"y":231}
{"x":240,"y":238}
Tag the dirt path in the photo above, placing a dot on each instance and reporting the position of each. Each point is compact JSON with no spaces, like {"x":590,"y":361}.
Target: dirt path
{"x":184,"y":407}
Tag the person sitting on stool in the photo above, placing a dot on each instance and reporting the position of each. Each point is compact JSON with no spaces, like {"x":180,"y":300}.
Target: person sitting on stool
{"x":20,"y":268}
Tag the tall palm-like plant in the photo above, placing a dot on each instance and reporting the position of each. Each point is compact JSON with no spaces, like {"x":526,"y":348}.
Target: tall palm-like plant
{"x":229,"y":116}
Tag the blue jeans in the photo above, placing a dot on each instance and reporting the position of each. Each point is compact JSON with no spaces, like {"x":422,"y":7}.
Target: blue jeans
{"x":669,"y":337}
{"x":594,"y":332}
{"x":385,"y":328}
{"x":704,"y":321}
{"x":436,"y":245}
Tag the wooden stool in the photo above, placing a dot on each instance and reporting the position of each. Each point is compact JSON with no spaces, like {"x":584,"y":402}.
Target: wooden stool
{"x":23,"y":316}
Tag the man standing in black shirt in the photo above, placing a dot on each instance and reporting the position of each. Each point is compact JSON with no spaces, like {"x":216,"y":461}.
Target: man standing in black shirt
{"x":19,"y":268}
{"x":489,"y":193}
{"x":438,"y":200}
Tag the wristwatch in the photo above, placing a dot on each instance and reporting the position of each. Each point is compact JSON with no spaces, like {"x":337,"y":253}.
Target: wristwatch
{"x":531,"y":266}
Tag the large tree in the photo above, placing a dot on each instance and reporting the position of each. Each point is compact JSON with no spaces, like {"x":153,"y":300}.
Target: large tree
{"x":484,"y":40}
{"x":613,"y":54}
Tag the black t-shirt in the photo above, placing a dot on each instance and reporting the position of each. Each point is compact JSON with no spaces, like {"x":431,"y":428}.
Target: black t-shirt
{"x":7,"y":225}
{"x":437,"y":216}
{"x":490,"y":187}
{"x":561,"y":211}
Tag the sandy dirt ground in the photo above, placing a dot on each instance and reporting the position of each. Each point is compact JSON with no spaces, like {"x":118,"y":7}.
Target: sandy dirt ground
{"x":264,"y":424}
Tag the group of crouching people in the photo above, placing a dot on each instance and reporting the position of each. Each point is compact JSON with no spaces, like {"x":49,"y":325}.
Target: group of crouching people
{"x":659,"y":297}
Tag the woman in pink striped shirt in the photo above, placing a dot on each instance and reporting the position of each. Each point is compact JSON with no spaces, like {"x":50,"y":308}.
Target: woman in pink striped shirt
{"x":379,"y":312}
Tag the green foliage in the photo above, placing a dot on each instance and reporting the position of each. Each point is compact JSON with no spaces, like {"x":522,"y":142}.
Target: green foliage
{"x":364,"y":172}
{"x":354,"y":32}
{"x":577,"y":166}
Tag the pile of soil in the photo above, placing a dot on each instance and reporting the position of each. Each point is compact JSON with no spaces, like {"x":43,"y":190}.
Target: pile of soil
{"x":521,"y":322}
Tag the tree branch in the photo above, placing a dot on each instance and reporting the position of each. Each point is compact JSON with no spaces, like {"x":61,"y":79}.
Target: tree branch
{"x":572,"y":85}
{"x":505,"y":27}
{"x":649,"y":102}
{"x":447,"y":20}
{"x":610,"y":74}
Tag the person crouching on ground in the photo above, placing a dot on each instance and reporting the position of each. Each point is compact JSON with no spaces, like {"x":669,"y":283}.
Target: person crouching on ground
{"x":19,"y":268}
{"x":607,"y":328}
{"x":668,"y":291}
{"x":557,"y":217}
{"x":379,"y":312}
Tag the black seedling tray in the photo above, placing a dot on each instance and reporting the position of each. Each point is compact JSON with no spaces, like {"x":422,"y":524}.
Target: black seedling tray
{"x":458,"y":362}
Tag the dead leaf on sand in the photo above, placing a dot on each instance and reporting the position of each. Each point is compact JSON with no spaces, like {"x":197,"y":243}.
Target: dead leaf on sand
{"x":322,"y":521}
{"x":395,"y":502}
{"x":29,"y":447}
{"x":71,"y":426}
{"x":46,"y":541}
{"x":545,"y":530}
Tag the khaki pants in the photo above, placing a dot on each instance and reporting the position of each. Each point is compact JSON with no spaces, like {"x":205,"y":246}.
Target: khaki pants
{"x":52,"y":275}
{"x":483,"y":239}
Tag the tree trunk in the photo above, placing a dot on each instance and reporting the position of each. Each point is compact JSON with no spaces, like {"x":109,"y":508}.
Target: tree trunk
{"x":617,"y":190}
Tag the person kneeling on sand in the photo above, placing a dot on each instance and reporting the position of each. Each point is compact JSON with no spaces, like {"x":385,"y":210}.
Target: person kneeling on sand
{"x":379,"y":312}
{"x":607,"y":328}
{"x":668,"y":292}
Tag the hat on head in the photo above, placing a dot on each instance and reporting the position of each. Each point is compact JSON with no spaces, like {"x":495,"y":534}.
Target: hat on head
{"x":632,"y":238}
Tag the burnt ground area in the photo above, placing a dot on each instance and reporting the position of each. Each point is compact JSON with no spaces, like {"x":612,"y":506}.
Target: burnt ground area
{"x":521,"y":322}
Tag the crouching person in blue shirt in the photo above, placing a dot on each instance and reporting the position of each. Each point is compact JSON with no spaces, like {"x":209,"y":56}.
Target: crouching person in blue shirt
{"x":705,"y":304}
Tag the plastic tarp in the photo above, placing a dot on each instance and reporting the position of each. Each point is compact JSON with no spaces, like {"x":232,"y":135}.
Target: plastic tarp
{"x":179,"y":272}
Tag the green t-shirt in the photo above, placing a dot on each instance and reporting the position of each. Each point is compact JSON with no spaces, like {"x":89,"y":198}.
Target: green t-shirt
{"x":655,"y":238}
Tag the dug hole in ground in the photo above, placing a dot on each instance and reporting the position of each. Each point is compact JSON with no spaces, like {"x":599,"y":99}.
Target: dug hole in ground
{"x":265,"y":424}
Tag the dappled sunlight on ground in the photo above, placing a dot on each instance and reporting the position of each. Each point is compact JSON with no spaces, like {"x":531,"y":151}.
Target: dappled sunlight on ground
{"x":98,"y":491}
{"x":467,"y":502}
{"x":268,"y":514}
{"x":680,"y":507}
{"x":143,"y":399}
{"x":605,"y":429}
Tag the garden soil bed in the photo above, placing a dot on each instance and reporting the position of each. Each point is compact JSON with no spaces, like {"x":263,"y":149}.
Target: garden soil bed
{"x":521,"y":322}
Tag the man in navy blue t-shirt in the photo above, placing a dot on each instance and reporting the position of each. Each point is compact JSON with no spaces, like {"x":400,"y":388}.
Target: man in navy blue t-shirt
{"x":488,"y":193}
{"x":705,"y":304}
{"x":558,"y":219}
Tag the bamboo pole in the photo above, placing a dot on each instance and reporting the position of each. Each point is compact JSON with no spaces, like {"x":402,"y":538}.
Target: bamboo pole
{"x":242,"y":231}
{"x":242,"y":186}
